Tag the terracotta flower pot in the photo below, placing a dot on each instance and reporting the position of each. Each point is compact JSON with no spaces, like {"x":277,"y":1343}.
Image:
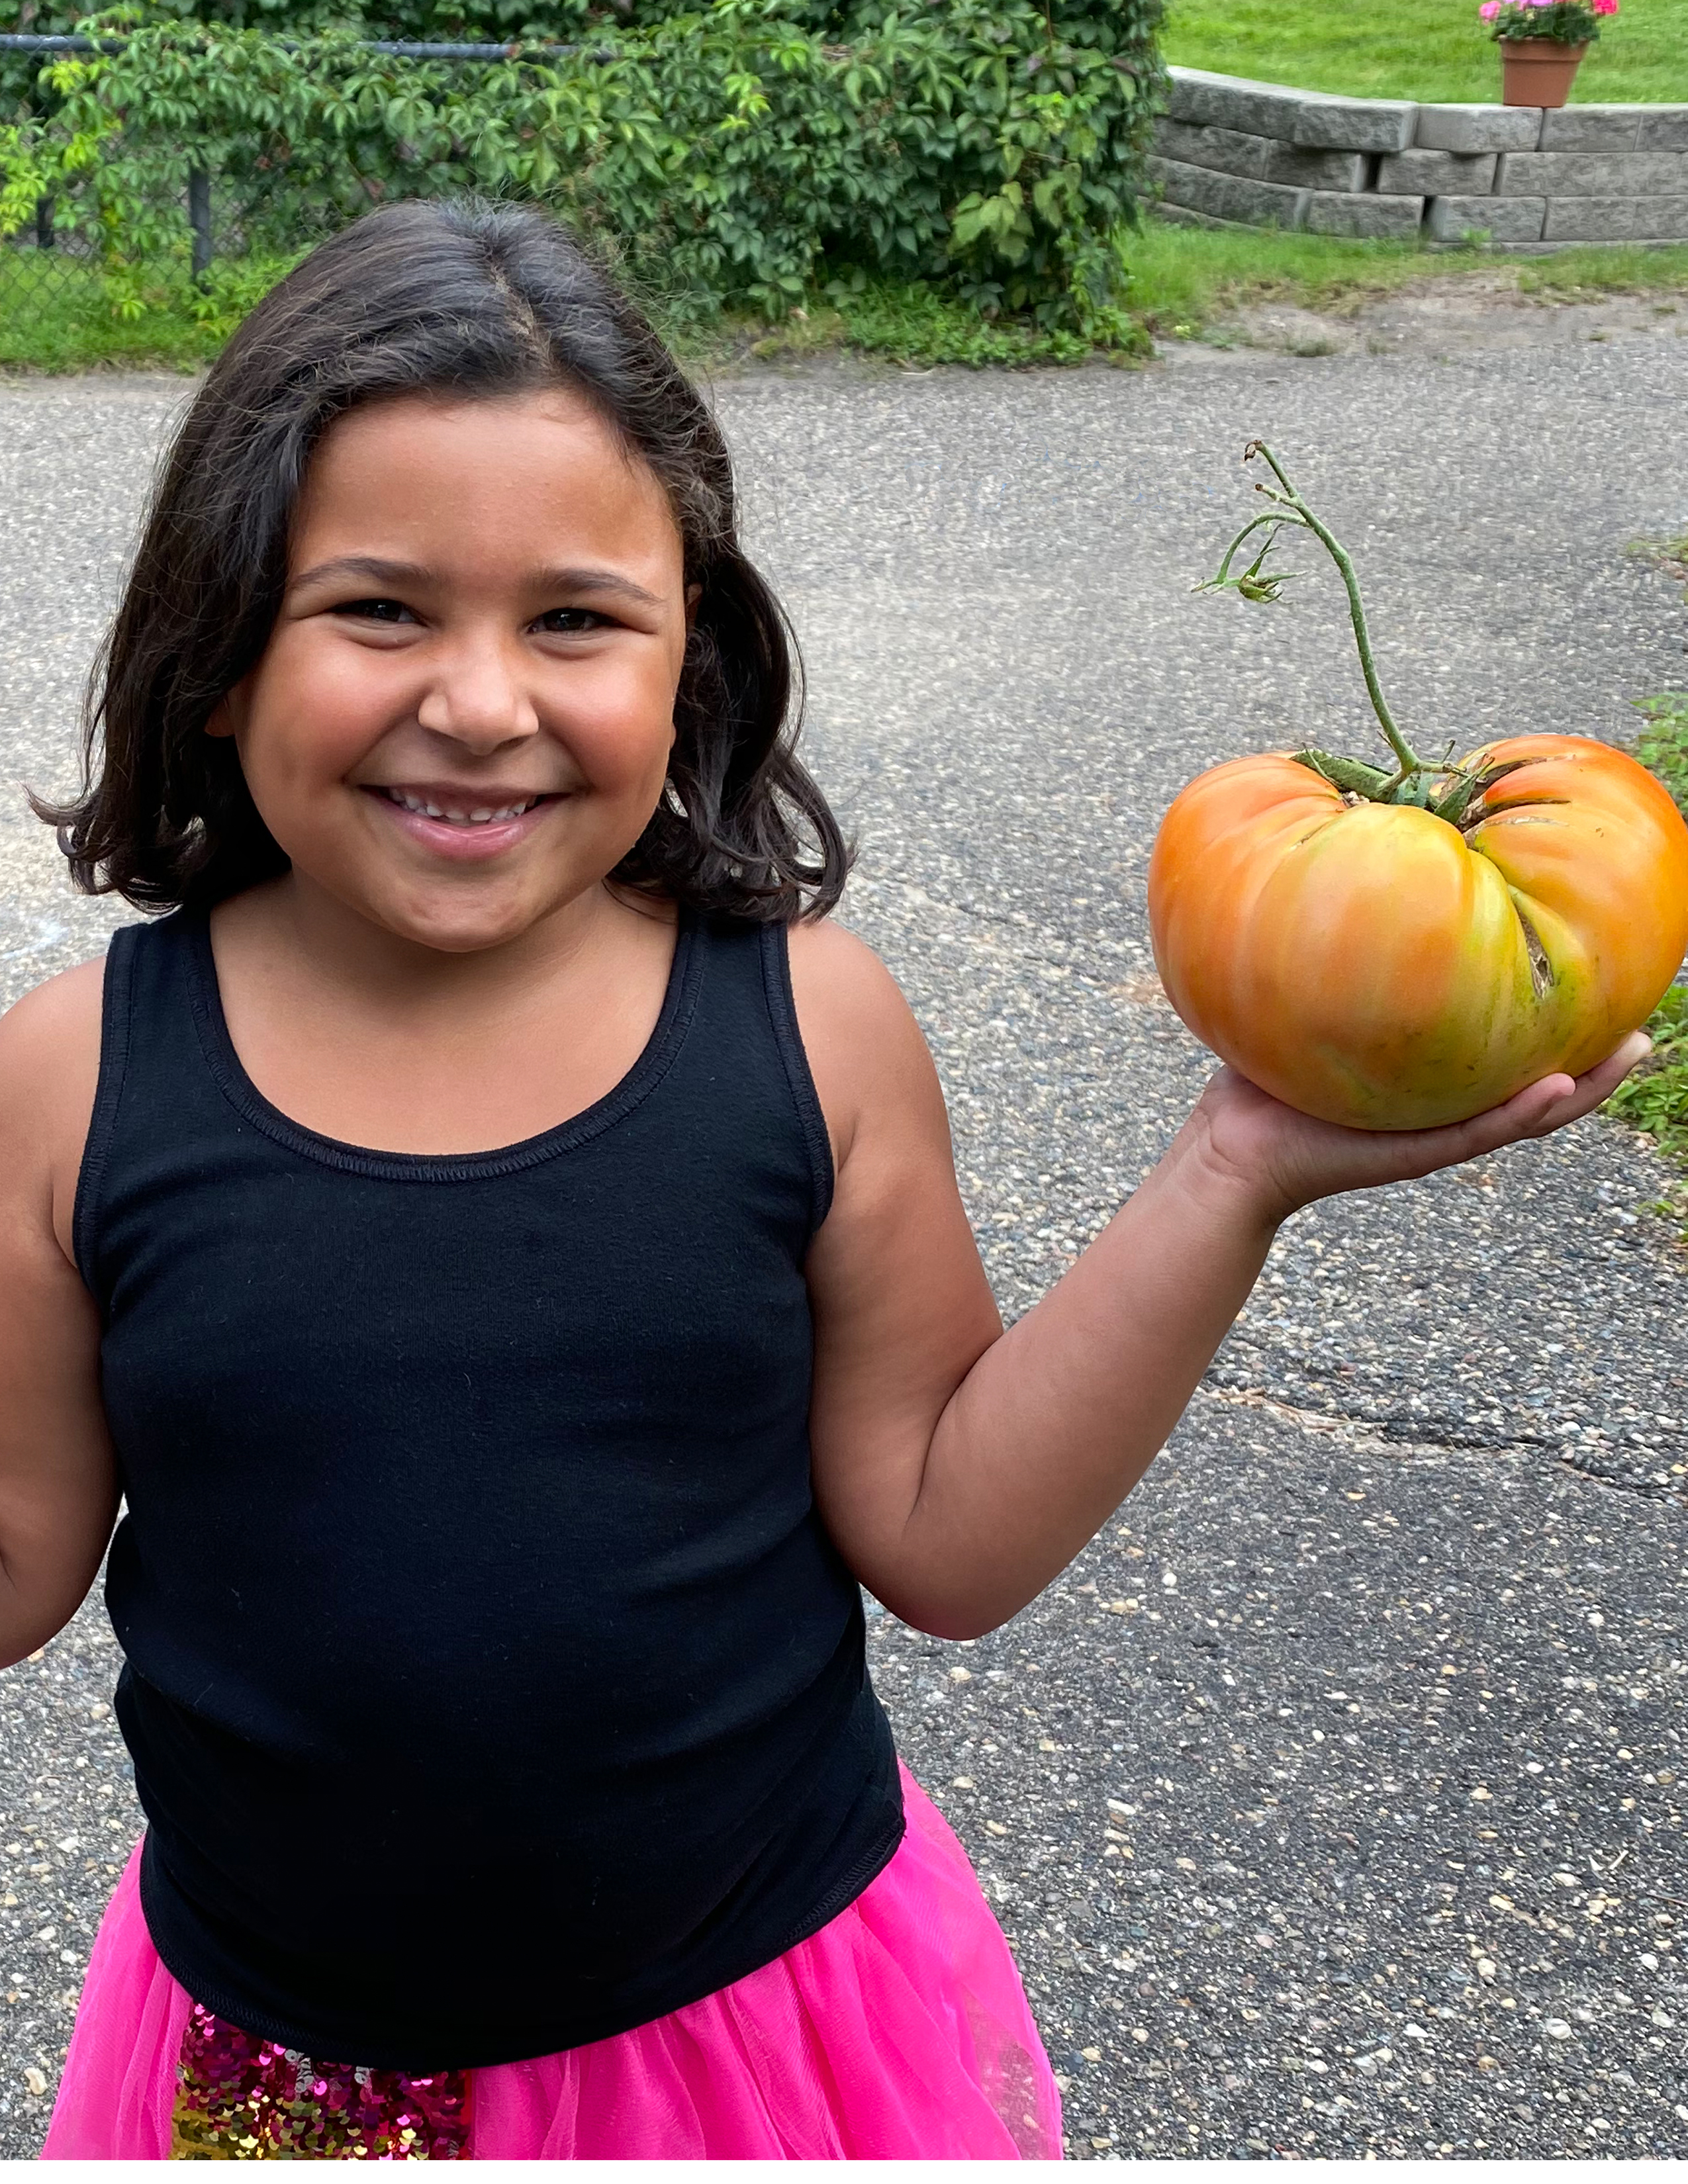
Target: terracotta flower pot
{"x":1537,"y":71}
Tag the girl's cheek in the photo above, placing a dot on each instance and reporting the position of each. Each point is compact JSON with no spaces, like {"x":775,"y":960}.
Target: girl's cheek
{"x":312,"y":719}
{"x":353,"y":703}
{"x":622,"y":742}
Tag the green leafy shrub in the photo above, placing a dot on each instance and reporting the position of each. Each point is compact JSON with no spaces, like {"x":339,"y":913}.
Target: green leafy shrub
{"x":1655,"y":1098}
{"x":1663,"y":744}
{"x":541,"y":21}
{"x":744,"y":151}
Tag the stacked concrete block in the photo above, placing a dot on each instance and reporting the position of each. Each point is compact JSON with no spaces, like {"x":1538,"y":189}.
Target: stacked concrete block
{"x":1232,"y":151}
{"x":1427,"y":173}
{"x":1615,"y":128}
{"x":1359,"y":125}
{"x":1260,"y":158}
{"x":1602,"y":196}
{"x":1218,"y":194}
{"x":1616,"y":219}
{"x":1590,"y":174}
{"x":1364,"y":213}
{"x":1507,"y":221}
{"x":1474,"y":129}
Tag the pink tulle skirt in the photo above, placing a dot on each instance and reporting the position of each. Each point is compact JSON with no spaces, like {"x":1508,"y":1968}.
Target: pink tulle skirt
{"x":900,"y":2031}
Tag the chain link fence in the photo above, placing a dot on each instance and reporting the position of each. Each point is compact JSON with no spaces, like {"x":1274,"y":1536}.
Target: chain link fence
{"x":205,"y":228}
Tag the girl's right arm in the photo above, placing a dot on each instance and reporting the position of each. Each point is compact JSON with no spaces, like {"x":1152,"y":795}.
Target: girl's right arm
{"x":58,"y":1481}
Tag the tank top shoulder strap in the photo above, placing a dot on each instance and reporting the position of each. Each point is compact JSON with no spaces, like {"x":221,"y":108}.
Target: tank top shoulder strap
{"x":746,"y":1012}
{"x":146,"y":1013}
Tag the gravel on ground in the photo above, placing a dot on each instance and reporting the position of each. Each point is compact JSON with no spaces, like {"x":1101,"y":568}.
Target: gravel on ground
{"x":1332,"y":1799}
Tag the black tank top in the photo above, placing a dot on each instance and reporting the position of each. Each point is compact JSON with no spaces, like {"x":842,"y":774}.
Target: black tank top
{"x":491,"y":1684}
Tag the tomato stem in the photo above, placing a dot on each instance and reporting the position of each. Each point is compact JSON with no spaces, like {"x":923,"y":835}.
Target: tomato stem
{"x":1290,"y":509}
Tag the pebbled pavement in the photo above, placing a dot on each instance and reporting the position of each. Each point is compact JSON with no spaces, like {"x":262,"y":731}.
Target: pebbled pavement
{"x":1332,"y":1799}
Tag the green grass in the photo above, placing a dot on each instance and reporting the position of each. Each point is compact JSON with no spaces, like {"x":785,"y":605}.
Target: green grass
{"x":1656,"y":1099}
{"x":1184,"y":281}
{"x":57,"y":314}
{"x":1592,"y":269}
{"x":1424,"y":50}
{"x":1184,"y":278}
{"x":1663,"y":744}
{"x":910,"y":324}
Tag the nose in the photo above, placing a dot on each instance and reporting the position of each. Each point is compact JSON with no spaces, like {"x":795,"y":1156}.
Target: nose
{"x":477,"y":695}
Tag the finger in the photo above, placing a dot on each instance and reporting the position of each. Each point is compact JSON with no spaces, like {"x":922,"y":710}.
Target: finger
{"x":1628,"y":1055}
{"x":1547,"y":1105}
{"x":1596,"y":1086}
{"x":1552,"y":1101}
{"x":1404,"y":1154}
{"x":1527,"y":1114}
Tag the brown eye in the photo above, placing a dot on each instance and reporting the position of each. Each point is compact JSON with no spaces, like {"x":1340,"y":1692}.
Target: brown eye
{"x":571,"y":621}
{"x":376,"y":610}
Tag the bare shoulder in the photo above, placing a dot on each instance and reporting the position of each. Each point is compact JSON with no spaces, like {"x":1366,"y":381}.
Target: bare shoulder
{"x":866,"y":1052}
{"x":832,"y":970}
{"x":49,"y":1074}
{"x":54,"y":1030}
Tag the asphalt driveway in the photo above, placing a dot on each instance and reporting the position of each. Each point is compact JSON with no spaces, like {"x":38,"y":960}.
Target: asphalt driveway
{"x":1332,"y":1800}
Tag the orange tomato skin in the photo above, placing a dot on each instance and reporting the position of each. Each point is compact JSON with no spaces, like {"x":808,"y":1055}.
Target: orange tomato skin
{"x":1372,"y":964}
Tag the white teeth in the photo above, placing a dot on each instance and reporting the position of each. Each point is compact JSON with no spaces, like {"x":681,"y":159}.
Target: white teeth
{"x":481,"y":815}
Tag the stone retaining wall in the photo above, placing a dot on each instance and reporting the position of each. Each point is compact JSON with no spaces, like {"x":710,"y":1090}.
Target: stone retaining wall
{"x":1232,"y":152}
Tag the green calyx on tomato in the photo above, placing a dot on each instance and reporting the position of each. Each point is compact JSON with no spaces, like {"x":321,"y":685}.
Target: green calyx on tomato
{"x":1452,"y":793}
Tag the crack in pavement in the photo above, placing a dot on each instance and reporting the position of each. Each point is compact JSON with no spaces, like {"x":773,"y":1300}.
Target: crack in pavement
{"x":1398,"y":1434}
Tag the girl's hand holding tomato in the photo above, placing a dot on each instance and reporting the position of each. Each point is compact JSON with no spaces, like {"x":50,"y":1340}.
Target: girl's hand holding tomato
{"x":1288,"y":1159}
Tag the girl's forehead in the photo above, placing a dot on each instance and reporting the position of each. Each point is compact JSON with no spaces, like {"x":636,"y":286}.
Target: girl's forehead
{"x":528,"y":415}
{"x":544,"y":459}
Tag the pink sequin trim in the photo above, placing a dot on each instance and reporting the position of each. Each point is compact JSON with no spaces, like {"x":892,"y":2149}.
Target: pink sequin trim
{"x":241,"y":2098}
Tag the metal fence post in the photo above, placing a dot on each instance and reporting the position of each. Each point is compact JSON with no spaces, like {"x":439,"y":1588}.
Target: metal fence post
{"x":43,"y":224}
{"x":199,"y":218}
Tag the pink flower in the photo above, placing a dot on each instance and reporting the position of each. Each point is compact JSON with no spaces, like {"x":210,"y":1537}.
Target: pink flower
{"x":1489,"y":10}
{"x":1604,"y":7}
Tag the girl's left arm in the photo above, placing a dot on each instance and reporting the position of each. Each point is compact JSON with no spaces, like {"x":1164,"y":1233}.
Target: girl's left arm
{"x":957,"y":1467}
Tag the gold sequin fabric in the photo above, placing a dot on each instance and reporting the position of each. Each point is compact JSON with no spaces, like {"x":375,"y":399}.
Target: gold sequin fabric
{"x":241,"y":2098}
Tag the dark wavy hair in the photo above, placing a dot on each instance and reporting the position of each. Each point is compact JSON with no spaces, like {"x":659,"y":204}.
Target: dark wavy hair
{"x":466,"y":299}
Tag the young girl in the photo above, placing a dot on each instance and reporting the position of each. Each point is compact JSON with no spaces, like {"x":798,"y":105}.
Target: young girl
{"x":504,"y":1246}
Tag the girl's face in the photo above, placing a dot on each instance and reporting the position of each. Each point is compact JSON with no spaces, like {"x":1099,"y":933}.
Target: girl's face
{"x":462,"y":720}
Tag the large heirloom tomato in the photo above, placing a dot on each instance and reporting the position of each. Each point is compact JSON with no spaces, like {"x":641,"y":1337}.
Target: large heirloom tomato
{"x":1377,"y":965}
{"x":1397,"y":947}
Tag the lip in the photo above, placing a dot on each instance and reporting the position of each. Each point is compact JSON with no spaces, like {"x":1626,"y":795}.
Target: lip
{"x":464,"y":844}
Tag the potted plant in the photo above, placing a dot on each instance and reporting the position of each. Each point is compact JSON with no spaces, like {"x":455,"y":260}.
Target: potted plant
{"x":1541,"y":43}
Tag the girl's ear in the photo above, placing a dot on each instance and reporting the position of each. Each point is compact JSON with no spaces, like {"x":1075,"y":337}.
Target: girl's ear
{"x":228,"y":715}
{"x":693,"y":593}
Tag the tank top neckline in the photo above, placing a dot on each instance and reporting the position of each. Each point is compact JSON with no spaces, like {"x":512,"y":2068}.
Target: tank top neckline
{"x":205,"y":998}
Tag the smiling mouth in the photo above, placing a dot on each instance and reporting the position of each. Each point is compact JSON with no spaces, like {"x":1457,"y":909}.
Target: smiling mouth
{"x":460,"y":815}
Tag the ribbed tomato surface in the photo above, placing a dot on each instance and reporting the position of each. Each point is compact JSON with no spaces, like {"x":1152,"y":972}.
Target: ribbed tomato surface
{"x":1376,"y":966}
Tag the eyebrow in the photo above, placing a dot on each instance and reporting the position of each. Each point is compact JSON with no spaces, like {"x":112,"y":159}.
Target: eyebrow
{"x":379,"y":571}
